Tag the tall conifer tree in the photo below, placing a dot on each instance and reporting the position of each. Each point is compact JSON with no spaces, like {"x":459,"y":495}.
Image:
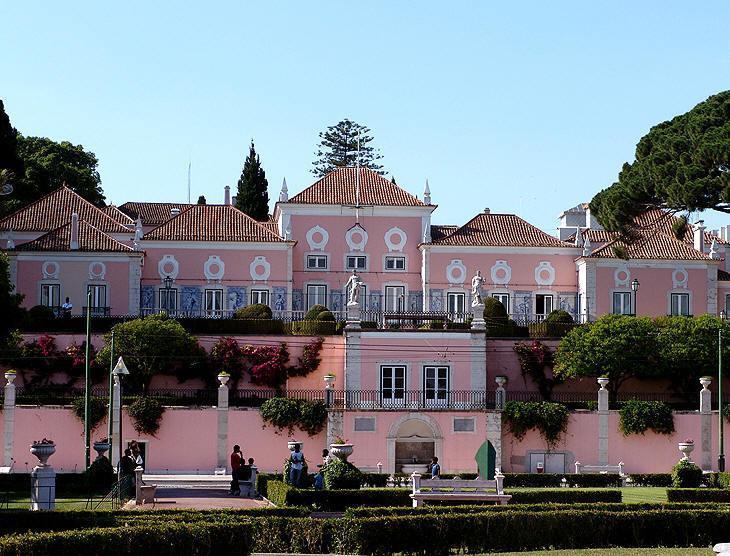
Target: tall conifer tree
{"x":252,"y":196}
{"x":338,"y":148}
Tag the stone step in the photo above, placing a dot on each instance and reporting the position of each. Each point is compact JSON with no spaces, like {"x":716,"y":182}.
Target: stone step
{"x":220,"y":482}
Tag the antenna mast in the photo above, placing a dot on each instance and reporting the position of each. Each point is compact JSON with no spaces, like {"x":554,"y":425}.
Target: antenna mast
{"x":190,"y":163}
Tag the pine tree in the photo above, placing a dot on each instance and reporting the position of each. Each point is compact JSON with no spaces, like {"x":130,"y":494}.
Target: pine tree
{"x":253,"y":197}
{"x":338,"y":148}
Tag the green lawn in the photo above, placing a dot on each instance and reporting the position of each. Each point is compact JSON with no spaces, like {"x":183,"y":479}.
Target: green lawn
{"x":20,"y":502}
{"x":617,"y":552}
{"x":629,"y":495}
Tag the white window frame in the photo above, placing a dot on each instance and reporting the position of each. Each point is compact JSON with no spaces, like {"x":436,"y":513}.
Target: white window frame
{"x":546,"y":294}
{"x":499,"y":296}
{"x":684,"y":295}
{"x":52,"y":286}
{"x":624,"y":294}
{"x":95,"y":307}
{"x":441,"y":396}
{"x":394,"y":258}
{"x":393,"y":400}
{"x":166,"y":294}
{"x":307,"y":295}
{"x":214,"y":311}
{"x":458,"y":315}
{"x":356,"y":256}
{"x":257,"y":293}
{"x":396,"y":305}
{"x":316,"y":256}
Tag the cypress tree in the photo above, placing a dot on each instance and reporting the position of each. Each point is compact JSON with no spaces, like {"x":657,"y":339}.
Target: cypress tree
{"x":253,"y":197}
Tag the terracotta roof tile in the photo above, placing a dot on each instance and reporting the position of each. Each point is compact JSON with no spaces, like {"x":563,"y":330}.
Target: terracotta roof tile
{"x":338,"y":188}
{"x":655,"y":245}
{"x":438,"y":231}
{"x":595,"y":236}
{"x":501,"y":230}
{"x":90,"y":239}
{"x":152,"y":214}
{"x":54,"y":210}
{"x":212,"y":223}
{"x":118,"y":215}
{"x":271,"y":226}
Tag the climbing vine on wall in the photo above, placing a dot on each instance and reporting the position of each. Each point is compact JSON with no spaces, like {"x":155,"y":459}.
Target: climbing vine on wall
{"x":550,"y":419}
{"x":637,"y":417}
{"x":286,"y":413}
{"x":536,"y":361}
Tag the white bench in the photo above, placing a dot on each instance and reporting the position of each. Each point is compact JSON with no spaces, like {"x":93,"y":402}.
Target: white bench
{"x":580,"y":468}
{"x":456,"y":489}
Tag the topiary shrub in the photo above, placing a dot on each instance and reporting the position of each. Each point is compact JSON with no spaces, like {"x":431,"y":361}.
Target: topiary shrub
{"x":314,"y":312}
{"x":255,"y":311}
{"x":326,"y":315}
{"x":556,"y":325}
{"x":493,"y":309}
{"x":686,"y":475}
{"x":340,"y":475}
{"x":146,"y":414}
{"x":636,"y":417}
{"x":40,"y":312}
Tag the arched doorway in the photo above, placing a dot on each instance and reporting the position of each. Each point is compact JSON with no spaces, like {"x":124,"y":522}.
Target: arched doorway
{"x":413,"y":439}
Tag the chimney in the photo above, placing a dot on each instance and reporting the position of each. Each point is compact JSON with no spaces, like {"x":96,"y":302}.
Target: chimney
{"x":227,"y":195}
{"x":74,"y":232}
{"x":699,"y":236}
{"x":486,"y":210}
{"x":174,"y":212}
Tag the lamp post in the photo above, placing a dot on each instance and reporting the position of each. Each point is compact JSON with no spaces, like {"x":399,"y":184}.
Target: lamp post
{"x":110,"y":415}
{"x":87,"y":385}
{"x":721,"y":436}
{"x":634,"y":288}
{"x":120,"y":370}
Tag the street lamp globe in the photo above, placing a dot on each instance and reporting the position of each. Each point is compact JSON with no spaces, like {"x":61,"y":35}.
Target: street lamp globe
{"x":635,"y":285}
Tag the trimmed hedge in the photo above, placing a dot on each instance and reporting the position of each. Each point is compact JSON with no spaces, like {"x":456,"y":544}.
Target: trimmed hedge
{"x":698,"y":495}
{"x":282,"y":494}
{"x":512,"y":480}
{"x":66,"y":483}
{"x":651,"y":479}
{"x":313,"y":328}
{"x":564,"y":496}
{"x":718,"y":480}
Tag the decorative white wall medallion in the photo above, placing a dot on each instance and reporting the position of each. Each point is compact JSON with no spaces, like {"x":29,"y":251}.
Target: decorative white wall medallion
{"x":260,"y":268}
{"x":456,"y":272}
{"x":356,"y":238}
{"x":214,"y":268}
{"x":622,"y":276}
{"x":544,"y":274}
{"x":97,"y":270}
{"x":50,"y":270}
{"x":168,"y":266}
{"x":501,"y":273}
{"x":395,"y":239}
{"x":317,"y":238}
{"x":679,"y":278}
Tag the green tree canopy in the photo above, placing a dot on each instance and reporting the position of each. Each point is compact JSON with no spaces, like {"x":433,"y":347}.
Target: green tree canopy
{"x":154,"y":345}
{"x":201,"y":200}
{"x":680,"y":165}
{"x":9,"y":158}
{"x":252,"y":196}
{"x":617,"y":346}
{"x":9,"y":301}
{"x":338,"y":148}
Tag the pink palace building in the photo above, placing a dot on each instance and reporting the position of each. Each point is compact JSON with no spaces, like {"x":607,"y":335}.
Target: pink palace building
{"x":407,"y":393}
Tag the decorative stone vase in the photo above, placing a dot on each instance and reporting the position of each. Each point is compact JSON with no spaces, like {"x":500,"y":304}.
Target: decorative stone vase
{"x":705,"y":381}
{"x":329,"y":381}
{"x":10,"y":376}
{"x":501,"y":380}
{"x":43,"y":451}
{"x":410,"y":468}
{"x":686,"y":448}
{"x":101,"y":448}
{"x":603,"y":382}
{"x":223,"y":378}
{"x":341,"y":451}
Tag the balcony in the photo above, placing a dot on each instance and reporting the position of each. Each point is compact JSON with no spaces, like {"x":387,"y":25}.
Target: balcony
{"x":96,"y":311}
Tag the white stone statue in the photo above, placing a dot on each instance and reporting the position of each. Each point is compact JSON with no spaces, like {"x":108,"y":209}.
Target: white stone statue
{"x":476,"y":289}
{"x":353,"y":287}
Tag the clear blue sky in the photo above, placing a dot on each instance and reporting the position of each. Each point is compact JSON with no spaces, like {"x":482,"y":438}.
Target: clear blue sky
{"x":526,"y":107}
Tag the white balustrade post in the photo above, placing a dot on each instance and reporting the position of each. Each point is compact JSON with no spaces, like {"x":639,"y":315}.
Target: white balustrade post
{"x":706,"y":424}
{"x":499,"y":478}
{"x":222,"y":411}
{"x":43,"y":477}
{"x":139,"y":499}
{"x":603,"y":422}
{"x":578,"y":465}
{"x":254,"y":474}
{"x":416,"y":479}
{"x":9,"y":419}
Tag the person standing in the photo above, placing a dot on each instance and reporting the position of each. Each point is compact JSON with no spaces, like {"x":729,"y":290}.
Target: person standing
{"x":127,"y":466}
{"x":435,"y":468}
{"x":297,"y":465}
{"x":236,"y":462}
{"x":66,"y":308}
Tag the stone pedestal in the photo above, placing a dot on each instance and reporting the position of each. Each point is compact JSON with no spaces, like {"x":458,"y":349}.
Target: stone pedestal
{"x":603,"y":422}
{"x":354,"y":316}
{"x":494,"y":435}
{"x":335,"y":425}
{"x":705,"y":424}
{"x":43,"y":488}
{"x":222,"y":411}
{"x":500,"y":394}
{"x":477,"y":311}
{"x":8,"y":419}
{"x":116,"y":412}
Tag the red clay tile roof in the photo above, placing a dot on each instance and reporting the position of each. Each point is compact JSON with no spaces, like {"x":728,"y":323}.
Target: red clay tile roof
{"x":118,"y":215}
{"x":652,"y":246}
{"x":152,"y":214}
{"x":500,"y":230}
{"x":54,"y":210}
{"x":338,"y":188}
{"x":595,"y":236}
{"x":271,"y":226}
{"x":212,"y":223}
{"x":90,"y":239}
{"x":438,"y":231}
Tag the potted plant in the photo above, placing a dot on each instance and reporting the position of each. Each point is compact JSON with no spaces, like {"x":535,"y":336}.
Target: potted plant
{"x":603,"y":381}
{"x":341,"y":448}
{"x":686,"y":448}
{"x":705,"y":381}
{"x":43,"y":449}
{"x":329,"y":380}
{"x":223,"y":378}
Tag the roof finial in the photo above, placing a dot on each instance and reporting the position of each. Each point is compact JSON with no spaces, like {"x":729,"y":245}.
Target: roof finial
{"x":284,"y":193}
{"x":714,"y":249}
{"x":427,"y":234}
{"x":427,"y":194}
{"x":578,"y":238}
{"x":587,"y":247}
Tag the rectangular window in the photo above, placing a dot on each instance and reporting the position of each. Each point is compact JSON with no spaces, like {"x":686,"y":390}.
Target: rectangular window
{"x":680,"y":304}
{"x":260,"y":296}
{"x":395,"y":263}
{"x":464,"y":424}
{"x":393,"y":385}
{"x":316,"y":295}
{"x":98,"y":299}
{"x":455,"y":303}
{"x":51,"y":295}
{"x":214,"y":303}
{"x":622,"y":303}
{"x":168,"y":300}
{"x":395,"y":298}
{"x":357,"y":262}
{"x":436,"y":386}
{"x":316,"y":262}
{"x":364,"y":424}
{"x":543,"y":305}
{"x":503,"y":298}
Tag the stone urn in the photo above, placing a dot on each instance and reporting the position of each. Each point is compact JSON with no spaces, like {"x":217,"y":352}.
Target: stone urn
{"x":329,"y":381}
{"x":341,"y":451}
{"x":101,"y":447}
{"x":43,"y":451}
{"x":291,"y":443}
{"x":603,"y":382}
{"x":686,"y":449}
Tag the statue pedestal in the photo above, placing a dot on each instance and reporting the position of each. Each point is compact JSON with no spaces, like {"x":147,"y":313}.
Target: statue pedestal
{"x":353,"y":316}
{"x":43,"y":488}
{"x":477,"y":312}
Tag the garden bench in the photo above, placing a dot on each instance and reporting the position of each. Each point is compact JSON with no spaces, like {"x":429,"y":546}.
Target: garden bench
{"x":476,"y":490}
{"x":580,"y":468}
